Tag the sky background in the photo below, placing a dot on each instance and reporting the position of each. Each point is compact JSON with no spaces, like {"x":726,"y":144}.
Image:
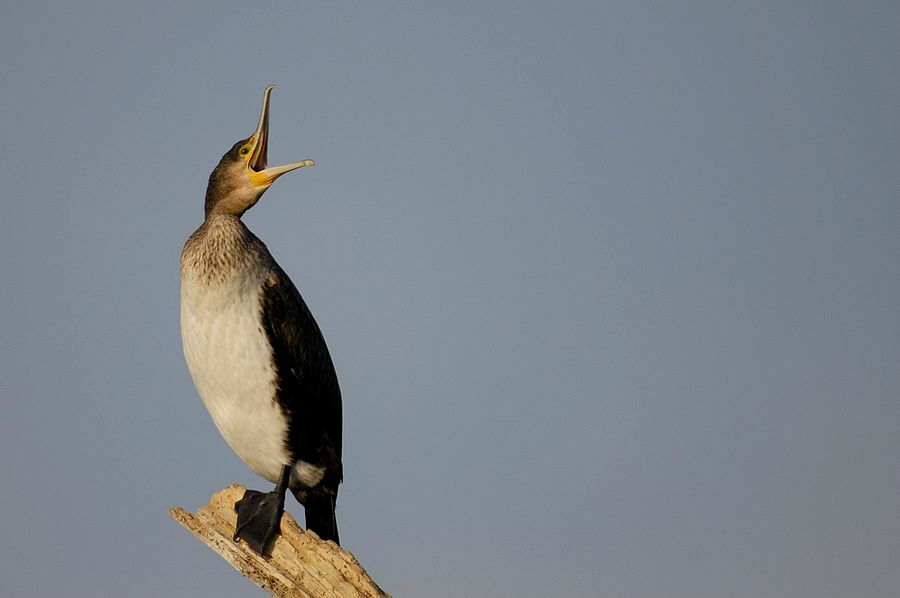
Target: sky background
{"x":611,"y":289}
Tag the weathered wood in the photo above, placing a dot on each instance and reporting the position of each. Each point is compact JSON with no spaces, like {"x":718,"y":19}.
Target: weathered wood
{"x":301,"y":564}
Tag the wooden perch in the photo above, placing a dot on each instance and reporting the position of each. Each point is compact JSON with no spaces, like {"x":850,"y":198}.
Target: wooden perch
{"x":300,"y":564}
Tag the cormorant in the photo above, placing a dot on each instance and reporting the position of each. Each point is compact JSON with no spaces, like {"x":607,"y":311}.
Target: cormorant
{"x":255,"y":353}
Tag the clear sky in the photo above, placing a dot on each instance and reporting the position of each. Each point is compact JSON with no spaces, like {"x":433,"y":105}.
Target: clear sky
{"x":611,"y":288}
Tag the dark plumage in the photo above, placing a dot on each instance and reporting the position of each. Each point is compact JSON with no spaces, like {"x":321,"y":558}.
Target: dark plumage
{"x":307,"y":390}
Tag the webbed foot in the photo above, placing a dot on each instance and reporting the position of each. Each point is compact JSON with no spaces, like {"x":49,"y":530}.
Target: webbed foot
{"x":259,"y":515}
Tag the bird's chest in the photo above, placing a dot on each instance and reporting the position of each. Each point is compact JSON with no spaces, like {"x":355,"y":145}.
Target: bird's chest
{"x":230,"y":360}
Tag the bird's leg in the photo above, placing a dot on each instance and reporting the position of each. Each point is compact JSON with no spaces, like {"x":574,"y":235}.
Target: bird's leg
{"x":259,"y":514}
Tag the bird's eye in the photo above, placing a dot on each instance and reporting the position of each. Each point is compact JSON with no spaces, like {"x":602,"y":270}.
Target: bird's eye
{"x":244,"y":151}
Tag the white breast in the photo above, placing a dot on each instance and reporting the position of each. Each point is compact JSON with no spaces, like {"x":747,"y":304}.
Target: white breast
{"x":229,"y":358}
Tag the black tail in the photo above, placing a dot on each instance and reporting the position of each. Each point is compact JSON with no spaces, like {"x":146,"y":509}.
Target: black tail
{"x":320,"y":517}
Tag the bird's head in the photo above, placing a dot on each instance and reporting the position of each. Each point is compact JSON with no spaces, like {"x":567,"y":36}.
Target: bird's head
{"x":243,"y":174}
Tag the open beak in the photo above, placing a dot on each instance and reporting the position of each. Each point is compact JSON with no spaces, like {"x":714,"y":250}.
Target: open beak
{"x":257,"y":165}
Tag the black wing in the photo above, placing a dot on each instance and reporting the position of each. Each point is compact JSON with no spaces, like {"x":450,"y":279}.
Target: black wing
{"x":307,"y":384}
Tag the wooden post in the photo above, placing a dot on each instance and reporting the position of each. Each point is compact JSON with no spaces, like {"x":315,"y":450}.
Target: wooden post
{"x":301,"y":564}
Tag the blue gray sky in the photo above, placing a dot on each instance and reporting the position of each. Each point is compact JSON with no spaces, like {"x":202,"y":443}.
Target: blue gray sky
{"x":611,"y":288}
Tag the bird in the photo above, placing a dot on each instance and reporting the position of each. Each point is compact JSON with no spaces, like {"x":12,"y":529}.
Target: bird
{"x":256,"y":354}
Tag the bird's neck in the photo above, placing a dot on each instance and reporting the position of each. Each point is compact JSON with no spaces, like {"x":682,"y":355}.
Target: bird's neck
{"x":221,"y":246}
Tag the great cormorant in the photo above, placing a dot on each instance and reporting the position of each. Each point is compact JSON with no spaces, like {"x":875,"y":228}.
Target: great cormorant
{"x":255,"y":353}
